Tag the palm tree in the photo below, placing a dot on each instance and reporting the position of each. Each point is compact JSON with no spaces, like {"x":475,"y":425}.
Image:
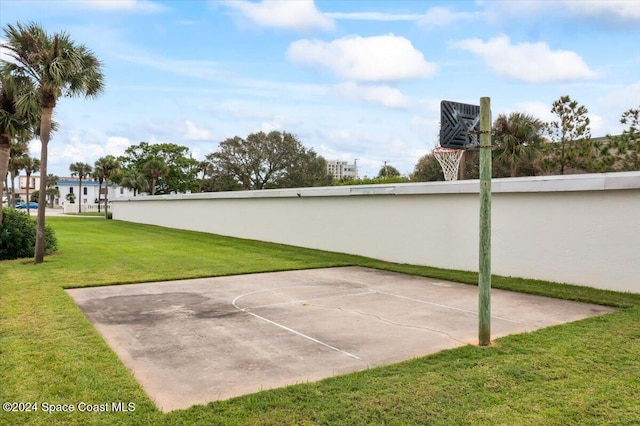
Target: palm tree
{"x":18,"y":150}
{"x":82,"y":170}
{"x":57,"y":67}
{"x":52,"y":192}
{"x":98,"y":174}
{"x":30,"y":166}
{"x":517,"y":139}
{"x":109,"y":166}
{"x":155,"y":168}
{"x":134,"y":179}
{"x":14,"y":122}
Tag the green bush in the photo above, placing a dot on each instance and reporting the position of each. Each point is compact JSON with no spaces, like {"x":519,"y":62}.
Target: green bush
{"x":18,"y":236}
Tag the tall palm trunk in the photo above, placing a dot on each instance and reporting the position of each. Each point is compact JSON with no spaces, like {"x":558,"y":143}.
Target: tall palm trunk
{"x":80,"y":194}
{"x":5,"y":153}
{"x":45,"y":134}
{"x":12,"y":203}
{"x":106,"y":196}
{"x":27,"y":193}
{"x":99,"y":192}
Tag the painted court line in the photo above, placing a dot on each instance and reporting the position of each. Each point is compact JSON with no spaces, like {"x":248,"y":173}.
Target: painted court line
{"x":314,"y":299}
{"x":289,"y":329}
{"x":450,"y":307}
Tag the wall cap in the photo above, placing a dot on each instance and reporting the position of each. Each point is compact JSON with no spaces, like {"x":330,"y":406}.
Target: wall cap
{"x":560,"y":183}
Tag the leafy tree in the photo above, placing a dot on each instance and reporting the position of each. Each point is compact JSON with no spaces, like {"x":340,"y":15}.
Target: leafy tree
{"x":82,"y":170}
{"x":156,"y":168}
{"x":427,"y":169}
{"x":388,"y":171}
{"x":183,"y":170}
{"x":371,"y":181}
{"x":517,"y":141}
{"x":56,"y":67}
{"x":134,"y":179}
{"x":264,"y":160}
{"x":30,"y":166}
{"x":307,"y":169}
{"x":570,"y":135}
{"x":628,"y":143}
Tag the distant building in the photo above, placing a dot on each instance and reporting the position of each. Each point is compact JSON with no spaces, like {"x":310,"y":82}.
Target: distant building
{"x":342,"y":169}
{"x":91,"y":193}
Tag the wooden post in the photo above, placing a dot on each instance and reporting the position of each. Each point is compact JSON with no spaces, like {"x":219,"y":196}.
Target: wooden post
{"x":484,"y":276}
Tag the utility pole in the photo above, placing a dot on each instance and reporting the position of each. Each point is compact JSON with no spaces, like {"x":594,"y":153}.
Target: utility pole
{"x":484,"y":275}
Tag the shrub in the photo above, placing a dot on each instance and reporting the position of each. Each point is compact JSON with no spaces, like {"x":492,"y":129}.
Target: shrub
{"x":18,"y":236}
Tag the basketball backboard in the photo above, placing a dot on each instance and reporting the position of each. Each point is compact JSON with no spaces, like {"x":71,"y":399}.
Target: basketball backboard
{"x":459,"y":125}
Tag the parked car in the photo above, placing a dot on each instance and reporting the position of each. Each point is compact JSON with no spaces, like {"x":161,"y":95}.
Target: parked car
{"x":32,"y":205}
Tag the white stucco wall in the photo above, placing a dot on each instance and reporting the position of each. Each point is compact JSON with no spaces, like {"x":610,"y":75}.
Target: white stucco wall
{"x":579,"y":229}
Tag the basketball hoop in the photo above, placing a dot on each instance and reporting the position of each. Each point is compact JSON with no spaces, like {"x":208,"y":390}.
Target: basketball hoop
{"x":449,"y":160}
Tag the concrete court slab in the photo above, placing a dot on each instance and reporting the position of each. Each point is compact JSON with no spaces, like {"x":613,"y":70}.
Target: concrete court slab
{"x":195,"y":341}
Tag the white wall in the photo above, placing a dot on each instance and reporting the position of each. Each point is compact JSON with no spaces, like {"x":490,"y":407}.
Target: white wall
{"x":580,"y":229}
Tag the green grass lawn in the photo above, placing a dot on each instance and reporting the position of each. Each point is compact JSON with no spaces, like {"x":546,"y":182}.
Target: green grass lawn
{"x":586,"y":372}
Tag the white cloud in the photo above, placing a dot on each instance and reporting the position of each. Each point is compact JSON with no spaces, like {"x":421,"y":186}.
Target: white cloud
{"x":597,"y":12}
{"x":377,"y":58}
{"x":441,"y":17}
{"x":530,"y":62}
{"x":382,"y":95}
{"x":194,"y":133}
{"x":539,"y":110}
{"x":623,"y":9}
{"x":374,"y":16}
{"x":299,"y":15}
{"x":436,"y":16}
{"x":142,"y":6}
{"x":623,"y":98}
{"x":116,"y":145}
{"x":191,"y":68}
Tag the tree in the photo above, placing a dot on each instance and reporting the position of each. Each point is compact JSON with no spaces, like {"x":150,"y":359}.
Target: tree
{"x":156,"y":168}
{"x":52,"y":191}
{"x":18,"y":152}
{"x":427,"y":170}
{"x":109,"y":167}
{"x":183,"y":170}
{"x":30,"y":166}
{"x":134,"y":179}
{"x":628,"y":143}
{"x":82,"y":170}
{"x":56,"y":67}
{"x":307,"y":169}
{"x":388,"y":171}
{"x":264,"y":160}
{"x":15,"y":122}
{"x":572,"y":126}
{"x":98,"y":174}
{"x":517,"y":139}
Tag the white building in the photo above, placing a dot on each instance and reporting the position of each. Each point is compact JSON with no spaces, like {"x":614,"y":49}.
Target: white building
{"x":90,"y":194}
{"x":342,"y":169}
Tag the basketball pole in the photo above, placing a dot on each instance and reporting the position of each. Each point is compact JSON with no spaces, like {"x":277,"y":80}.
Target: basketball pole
{"x":484,"y":276}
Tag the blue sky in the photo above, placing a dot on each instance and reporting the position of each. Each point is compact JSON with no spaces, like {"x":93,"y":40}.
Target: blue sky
{"x":352,"y":79}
